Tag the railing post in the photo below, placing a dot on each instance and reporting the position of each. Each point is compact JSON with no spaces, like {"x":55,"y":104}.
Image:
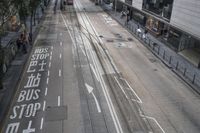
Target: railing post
{"x":164,"y":55}
{"x":177,"y":64}
{"x":184,"y":71}
{"x":149,"y":42}
{"x":170,"y":59}
{"x":159,"y":50}
{"x":194,"y":77}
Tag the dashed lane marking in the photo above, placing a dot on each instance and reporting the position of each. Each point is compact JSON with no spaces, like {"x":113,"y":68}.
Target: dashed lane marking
{"x":58,"y":100}
{"x":49,"y":64}
{"x":48,"y":73}
{"x":44,"y":105}
{"x":46,"y":90}
{"x":59,"y":73}
{"x":47,"y":80}
{"x":41,"y":123}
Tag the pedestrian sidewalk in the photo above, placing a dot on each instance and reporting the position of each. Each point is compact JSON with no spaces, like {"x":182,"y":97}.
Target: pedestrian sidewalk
{"x":182,"y":67}
{"x":15,"y":70}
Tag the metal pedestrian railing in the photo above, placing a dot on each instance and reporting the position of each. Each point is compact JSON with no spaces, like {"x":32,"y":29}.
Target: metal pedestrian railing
{"x":172,"y":62}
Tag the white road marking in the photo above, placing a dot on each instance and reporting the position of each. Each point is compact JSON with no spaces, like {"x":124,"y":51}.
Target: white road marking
{"x":90,"y":91}
{"x":51,"y":57}
{"x":51,"y":53}
{"x":121,"y":87}
{"x":60,"y":56}
{"x":44,"y":105}
{"x":41,"y":123}
{"x":52,"y":47}
{"x":58,"y":100}
{"x":139,"y":100}
{"x":60,"y":43}
{"x":148,"y":117}
{"x":48,"y":73}
{"x":59,"y":72}
{"x":83,"y":51}
{"x":46,"y":91}
{"x":105,"y":91}
{"x":94,"y":72}
{"x":49,"y":64}
{"x":48,"y":80}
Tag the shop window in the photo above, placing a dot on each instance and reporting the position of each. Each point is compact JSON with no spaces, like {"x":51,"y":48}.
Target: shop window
{"x":163,"y":8}
{"x":154,"y":25}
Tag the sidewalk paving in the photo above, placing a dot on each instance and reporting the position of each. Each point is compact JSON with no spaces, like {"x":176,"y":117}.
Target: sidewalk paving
{"x":15,"y":71}
{"x":186,"y":70}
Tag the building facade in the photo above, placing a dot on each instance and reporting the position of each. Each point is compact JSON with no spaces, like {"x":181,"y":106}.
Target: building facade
{"x":175,"y":22}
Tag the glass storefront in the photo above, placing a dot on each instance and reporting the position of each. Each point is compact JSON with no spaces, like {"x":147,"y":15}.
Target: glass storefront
{"x":154,"y":26}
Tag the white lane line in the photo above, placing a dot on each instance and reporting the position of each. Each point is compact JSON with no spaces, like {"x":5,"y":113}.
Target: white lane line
{"x":48,"y":73}
{"x":49,"y":64}
{"x":82,"y":50}
{"x":51,"y":53}
{"x":46,"y":91}
{"x":140,"y":101}
{"x":44,"y":105}
{"x":121,"y":87}
{"x":60,"y":56}
{"x":52,"y":47}
{"x":59,"y":72}
{"x":51,"y":57}
{"x":105,"y":91}
{"x":58,"y":100}
{"x":60,"y":43}
{"x":92,"y":67}
{"x":41,"y":123}
{"x":148,"y":117}
{"x":47,"y":80}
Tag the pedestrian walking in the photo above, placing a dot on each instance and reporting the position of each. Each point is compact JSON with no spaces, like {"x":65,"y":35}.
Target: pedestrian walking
{"x":24,"y":43}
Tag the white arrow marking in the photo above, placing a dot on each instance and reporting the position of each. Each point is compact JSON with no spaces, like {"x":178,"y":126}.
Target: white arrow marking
{"x":90,"y":90}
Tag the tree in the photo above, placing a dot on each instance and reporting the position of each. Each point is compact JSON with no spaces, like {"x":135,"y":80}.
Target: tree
{"x":22,"y":8}
{"x":6,"y":10}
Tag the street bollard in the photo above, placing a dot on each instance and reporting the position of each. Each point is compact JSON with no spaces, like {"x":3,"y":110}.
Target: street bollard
{"x":170,"y":59}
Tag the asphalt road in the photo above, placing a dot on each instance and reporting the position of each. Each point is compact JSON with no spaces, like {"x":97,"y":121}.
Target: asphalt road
{"x":62,"y":90}
{"x":166,"y":102}
{"x":85,"y":75}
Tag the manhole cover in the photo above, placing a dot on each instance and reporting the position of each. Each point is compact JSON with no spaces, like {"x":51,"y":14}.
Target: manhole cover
{"x":56,"y":113}
{"x":152,"y":60}
{"x":130,"y":39}
{"x":110,"y":40}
